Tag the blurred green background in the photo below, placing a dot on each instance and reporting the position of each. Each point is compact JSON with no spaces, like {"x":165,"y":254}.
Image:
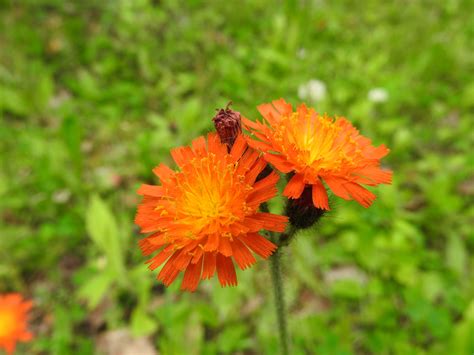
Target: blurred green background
{"x":93,"y":94}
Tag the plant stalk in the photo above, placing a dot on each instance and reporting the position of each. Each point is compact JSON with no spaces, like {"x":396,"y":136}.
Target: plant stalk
{"x":275,"y":269}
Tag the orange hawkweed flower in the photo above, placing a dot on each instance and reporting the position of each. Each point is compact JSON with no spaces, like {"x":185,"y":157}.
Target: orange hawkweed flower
{"x":206,"y":215}
{"x":13,"y":313}
{"x":318,"y":148}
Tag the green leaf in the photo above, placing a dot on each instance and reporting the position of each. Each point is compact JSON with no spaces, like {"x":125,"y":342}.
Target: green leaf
{"x":233,"y":338}
{"x":102,"y":228}
{"x":456,"y":254}
{"x":142,"y":324}
{"x":94,"y":289}
{"x":462,"y":341}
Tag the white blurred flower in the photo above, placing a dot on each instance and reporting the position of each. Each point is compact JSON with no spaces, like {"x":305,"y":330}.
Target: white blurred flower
{"x":377,"y":95}
{"x":301,"y":54}
{"x":61,"y":196}
{"x":313,"y":90}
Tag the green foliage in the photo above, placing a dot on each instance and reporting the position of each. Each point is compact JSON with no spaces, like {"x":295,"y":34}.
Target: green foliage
{"x":93,"y":95}
{"x":103,"y":231}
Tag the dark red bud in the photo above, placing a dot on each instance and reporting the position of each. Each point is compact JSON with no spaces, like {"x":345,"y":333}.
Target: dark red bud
{"x":301,"y":211}
{"x":228,"y":125}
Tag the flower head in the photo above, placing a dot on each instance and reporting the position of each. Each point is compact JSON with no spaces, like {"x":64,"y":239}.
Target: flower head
{"x":318,"y":149}
{"x":205,"y":216}
{"x":13,"y":313}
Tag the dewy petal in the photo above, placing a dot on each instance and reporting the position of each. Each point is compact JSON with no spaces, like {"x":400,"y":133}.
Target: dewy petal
{"x":205,"y":215}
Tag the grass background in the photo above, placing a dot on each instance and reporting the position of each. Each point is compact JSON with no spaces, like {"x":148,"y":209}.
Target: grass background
{"x":94,"y":94}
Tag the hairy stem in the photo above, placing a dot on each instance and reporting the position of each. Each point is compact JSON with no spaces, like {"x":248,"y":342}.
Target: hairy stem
{"x":275,"y":268}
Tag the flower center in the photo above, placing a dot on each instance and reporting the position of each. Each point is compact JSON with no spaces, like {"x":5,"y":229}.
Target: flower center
{"x":210,"y":196}
{"x":7,"y":323}
{"x":315,"y":141}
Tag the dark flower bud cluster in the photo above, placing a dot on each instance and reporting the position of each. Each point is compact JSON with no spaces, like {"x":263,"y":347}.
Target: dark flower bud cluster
{"x":301,"y":211}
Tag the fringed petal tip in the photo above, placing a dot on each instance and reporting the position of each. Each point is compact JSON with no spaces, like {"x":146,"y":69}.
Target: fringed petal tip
{"x":320,"y":196}
{"x":207,"y":263}
{"x":295,"y":186}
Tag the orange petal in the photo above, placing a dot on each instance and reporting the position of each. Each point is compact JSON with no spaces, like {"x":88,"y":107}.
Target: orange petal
{"x":215,"y":146}
{"x":225,"y":271}
{"x":199,"y":146}
{"x":361,"y":195}
{"x":159,"y":258}
{"x":320,"y":196}
{"x":259,"y":244}
{"x":262,"y":146}
{"x":256,"y":197}
{"x":268,"y":181}
{"x":256,"y":169}
{"x":239,"y":147}
{"x":198,"y":253}
{"x":376,"y":152}
{"x":294,"y":188}
{"x":337,"y":186}
{"x":151,"y":190}
{"x":212,"y":242}
{"x":375,"y":175}
{"x":182,"y":155}
{"x":269,"y":221}
{"x":242,"y":256}
{"x":282,"y":106}
{"x":209,"y":265}
{"x":146,"y":247}
{"x":182,"y":260}
{"x":163,"y":172}
{"x":25,"y":336}
{"x":302,"y":110}
{"x":269,"y":113}
{"x":247,"y":123}
{"x":279,"y":162}
{"x":224,"y":246}
{"x":248,"y":159}
{"x":169,"y":272}
{"x":192,"y":276}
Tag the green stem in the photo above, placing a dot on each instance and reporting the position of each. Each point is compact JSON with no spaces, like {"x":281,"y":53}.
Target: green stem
{"x":275,"y":268}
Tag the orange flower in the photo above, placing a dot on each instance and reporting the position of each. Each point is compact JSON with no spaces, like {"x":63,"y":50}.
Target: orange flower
{"x":318,"y":148}
{"x":13,"y":313}
{"x":206,"y":215}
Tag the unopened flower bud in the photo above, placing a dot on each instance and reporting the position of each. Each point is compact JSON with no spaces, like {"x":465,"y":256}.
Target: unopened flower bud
{"x":228,"y":125}
{"x":301,"y":211}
